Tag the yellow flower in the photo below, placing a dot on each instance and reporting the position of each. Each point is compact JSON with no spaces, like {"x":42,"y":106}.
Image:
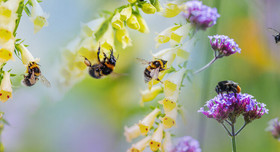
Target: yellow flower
{"x":8,"y":11}
{"x":182,"y":56}
{"x":107,"y":41}
{"x":6,"y":32}
{"x":38,"y":16}
{"x":167,"y":143}
{"x":143,"y":25}
{"x":146,"y":124}
{"x":6,"y":87}
{"x":26,"y":56}
{"x":93,"y":26}
{"x":178,"y":35}
{"x":154,"y":81}
{"x":6,"y":52}
{"x":155,"y":142}
{"x":169,"y":120}
{"x":168,"y":55}
{"x":131,"y":132}
{"x":149,"y":95}
{"x":126,"y":13}
{"x":168,"y":105}
{"x":171,"y":10}
{"x":140,"y":145}
{"x":131,"y":1}
{"x":123,"y":37}
{"x":148,"y":8}
{"x":116,"y":21}
{"x":133,"y":23}
{"x":164,"y":36}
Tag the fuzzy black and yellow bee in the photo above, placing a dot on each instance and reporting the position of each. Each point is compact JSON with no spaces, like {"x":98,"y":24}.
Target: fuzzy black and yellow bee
{"x":227,"y":86}
{"x":153,"y":69}
{"x":33,"y":75}
{"x":102,"y":68}
{"x":276,"y":36}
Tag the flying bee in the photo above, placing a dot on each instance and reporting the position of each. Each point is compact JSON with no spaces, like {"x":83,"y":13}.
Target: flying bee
{"x":102,"y":68}
{"x":153,"y":69}
{"x":33,"y":75}
{"x":227,"y":86}
{"x":277,"y":36}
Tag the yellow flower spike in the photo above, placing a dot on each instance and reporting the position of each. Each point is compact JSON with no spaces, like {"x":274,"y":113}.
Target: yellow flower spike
{"x":167,"y":143}
{"x":178,"y":35}
{"x":148,"y":8}
{"x":168,"y":55}
{"x":6,"y":87}
{"x":131,"y":1}
{"x":133,"y":23}
{"x":26,"y":56}
{"x":171,"y":10}
{"x":140,"y":145}
{"x":154,"y":82}
{"x":93,"y":26}
{"x":172,"y":85}
{"x":116,"y":21}
{"x":123,"y":37}
{"x":149,"y":95}
{"x":164,"y":36}
{"x":6,"y":52}
{"x":155,"y":142}
{"x":126,"y":13}
{"x":168,"y":105}
{"x":131,"y":132}
{"x":169,"y":120}
{"x":146,"y":124}
{"x":38,"y":16}
{"x":143,"y":25}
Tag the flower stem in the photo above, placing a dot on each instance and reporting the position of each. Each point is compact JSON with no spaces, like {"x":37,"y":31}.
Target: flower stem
{"x":226,"y":129}
{"x":19,"y":12}
{"x":241,"y":129}
{"x":206,"y":66}
{"x":233,"y":138}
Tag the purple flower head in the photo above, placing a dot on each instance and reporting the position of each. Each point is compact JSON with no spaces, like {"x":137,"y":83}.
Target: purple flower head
{"x":223,"y":45}
{"x":187,"y":144}
{"x":274,"y":128}
{"x":230,"y":106}
{"x":200,"y":15}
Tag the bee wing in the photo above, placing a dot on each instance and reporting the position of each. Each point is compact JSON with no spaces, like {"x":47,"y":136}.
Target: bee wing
{"x":143,"y":61}
{"x":45,"y":81}
{"x":117,"y":75}
{"x":154,"y":73}
{"x":273,"y":30}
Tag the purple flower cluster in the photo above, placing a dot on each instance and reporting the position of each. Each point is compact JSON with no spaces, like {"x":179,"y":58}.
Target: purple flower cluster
{"x":274,"y":128}
{"x":200,"y":15}
{"x":223,"y":45}
{"x":230,"y":106}
{"x":187,"y":144}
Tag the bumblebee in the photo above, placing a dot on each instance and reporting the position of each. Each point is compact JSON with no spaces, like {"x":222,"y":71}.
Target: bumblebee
{"x":102,"y":68}
{"x":277,"y":36}
{"x":33,"y":75}
{"x":227,"y":86}
{"x":153,"y":69}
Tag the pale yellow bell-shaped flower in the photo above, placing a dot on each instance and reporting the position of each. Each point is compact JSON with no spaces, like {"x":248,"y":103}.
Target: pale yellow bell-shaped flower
{"x":167,"y":143}
{"x":169,"y":120}
{"x":8,"y":11}
{"x":123,"y":37}
{"x":140,"y":145}
{"x":38,"y":16}
{"x":133,"y":23}
{"x":6,"y":32}
{"x":178,"y":35}
{"x":150,"y":94}
{"x":93,"y":26}
{"x":146,"y":124}
{"x":148,"y":8}
{"x":6,"y":87}
{"x":143,"y":25}
{"x":171,"y":9}
{"x":88,"y":49}
{"x":172,"y":85}
{"x":182,"y":56}
{"x":164,"y":36}
{"x":168,"y":55}
{"x":107,"y":41}
{"x":132,"y":132}
{"x":156,"y":139}
{"x":126,"y":13}
{"x":116,"y":21}
{"x":6,"y":51}
{"x":168,"y":105}
{"x":26,"y":56}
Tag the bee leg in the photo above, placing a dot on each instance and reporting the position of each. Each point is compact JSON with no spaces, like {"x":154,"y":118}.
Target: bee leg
{"x":159,"y":80}
{"x":87,"y":62}
{"x":98,"y":53}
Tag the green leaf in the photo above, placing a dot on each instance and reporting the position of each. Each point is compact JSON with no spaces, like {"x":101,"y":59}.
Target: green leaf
{"x":102,"y":30}
{"x":27,"y":11}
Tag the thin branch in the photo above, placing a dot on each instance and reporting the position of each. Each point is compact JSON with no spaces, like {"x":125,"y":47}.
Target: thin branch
{"x":240,"y":129}
{"x":206,"y":66}
{"x":226,"y":129}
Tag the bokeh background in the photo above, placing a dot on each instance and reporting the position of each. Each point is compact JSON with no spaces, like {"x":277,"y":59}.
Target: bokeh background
{"x":91,"y":115}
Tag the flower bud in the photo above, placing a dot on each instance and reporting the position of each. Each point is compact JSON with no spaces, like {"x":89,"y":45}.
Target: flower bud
{"x":117,"y":23}
{"x":171,"y":10}
{"x":123,"y":37}
{"x":143,"y":25}
{"x":148,"y":8}
{"x":133,"y":23}
{"x":126,"y":13}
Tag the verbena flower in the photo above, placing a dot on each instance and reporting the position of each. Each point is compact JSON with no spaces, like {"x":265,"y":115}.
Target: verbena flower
{"x":274,"y":128}
{"x":228,"y":106}
{"x":6,"y":87}
{"x":38,"y":16}
{"x":187,"y":144}
{"x":223,"y":45}
{"x":200,"y":15}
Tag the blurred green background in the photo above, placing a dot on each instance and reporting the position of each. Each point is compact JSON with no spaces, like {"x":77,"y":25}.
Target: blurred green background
{"x":90,"y":116}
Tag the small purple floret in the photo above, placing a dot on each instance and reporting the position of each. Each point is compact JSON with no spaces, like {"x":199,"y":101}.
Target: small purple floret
{"x":274,"y":128}
{"x":187,"y":144}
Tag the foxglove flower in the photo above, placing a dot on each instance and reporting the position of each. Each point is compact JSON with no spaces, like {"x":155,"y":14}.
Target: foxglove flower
{"x":169,"y":120}
{"x":164,"y":36}
{"x":92,"y":27}
{"x":38,"y":16}
{"x":140,"y":145}
{"x":199,"y":15}
{"x":150,"y":94}
{"x":168,"y":105}
{"x":6,"y":87}
{"x":126,"y":13}
{"x":156,"y":139}
{"x":131,"y":132}
{"x":274,"y":128}
{"x":167,"y":143}
{"x":123,"y":37}
{"x":148,"y":8}
{"x":146,"y":124}
{"x":8,"y":11}
{"x":143,"y":25}
{"x":117,"y":22}
{"x":6,"y":51}
{"x":187,"y":144}
{"x":170,"y":10}
{"x":26,"y":56}
{"x":133,"y":23}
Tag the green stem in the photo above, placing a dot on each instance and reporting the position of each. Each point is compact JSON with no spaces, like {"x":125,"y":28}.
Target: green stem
{"x":19,"y":12}
{"x":206,"y":66}
{"x":233,"y":138}
{"x":241,"y":129}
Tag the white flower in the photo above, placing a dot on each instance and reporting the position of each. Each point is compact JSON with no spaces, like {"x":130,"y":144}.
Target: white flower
{"x":146,"y":124}
{"x":167,"y":143}
{"x":169,"y":120}
{"x":8,"y":11}
{"x":178,"y":35}
{"x":38,"y":16}
{"x":123,"y":37}
{"x":131,"y":132}
{"x":6,"y":87}
{"x":6,"y":51}
{"x":26,"y":56}
{"x":164,"y":36}
{"x":141,"y":145}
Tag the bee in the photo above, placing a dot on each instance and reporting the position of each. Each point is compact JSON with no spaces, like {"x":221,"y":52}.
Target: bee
{"x":102,"y":68}
{"x":277,"y":36}
{"x":33,"y":75}
{"x":227,"y":86}
{"x":153,"y":69}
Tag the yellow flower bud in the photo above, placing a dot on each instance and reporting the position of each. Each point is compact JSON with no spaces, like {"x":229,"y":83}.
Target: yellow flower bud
{"x":6,"y":87}
{"x":169,"y":120}
{"x":38,"y":16}
{"x":131,"y":1}
{"x":149,"y":95}
{"x":171,"y":10}
{"x":155,"y":142}
{"x":164,"y":36}
{"x":140,"y":145}
{"x":148,"y":8}
{"x":143,"y":25}
{"x":131,"y":132}
{"x":126,"y":13}
{"x":146,"y":124}
{"x":123,"y":37}
{"x":133,"y":23}
{"x":116,"y":21}
{"x":6,"y":52}
{"x":26,"y":56}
